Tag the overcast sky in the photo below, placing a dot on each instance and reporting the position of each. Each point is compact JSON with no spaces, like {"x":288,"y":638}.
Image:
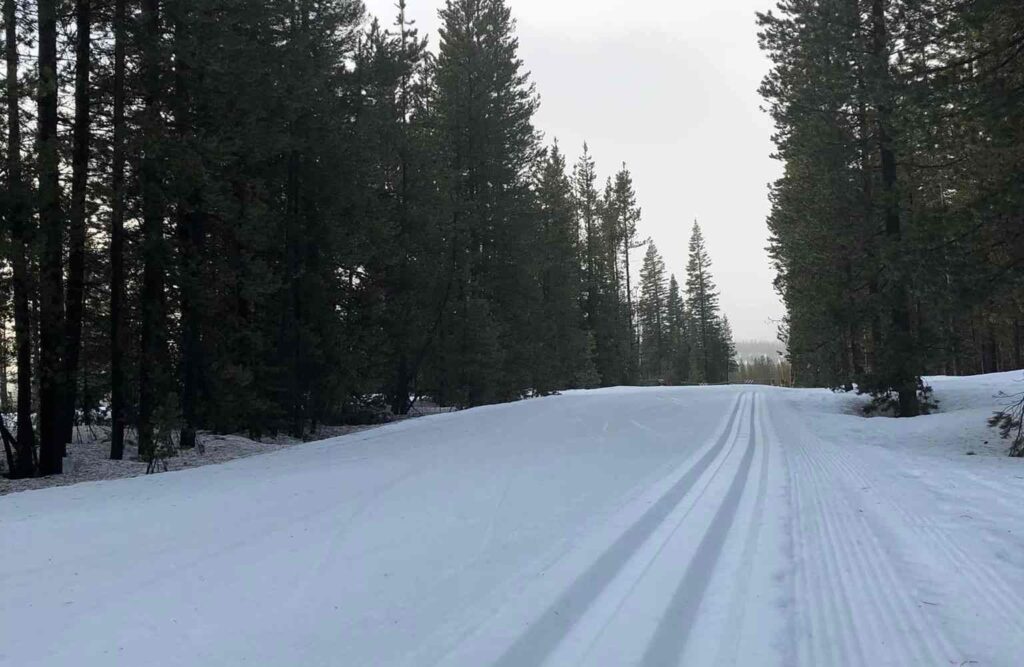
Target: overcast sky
{"x":670,"y":88}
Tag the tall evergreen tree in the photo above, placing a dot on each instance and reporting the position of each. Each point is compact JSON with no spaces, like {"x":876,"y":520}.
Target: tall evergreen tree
{"x":484,"y":105}
{"x":411,"y":266}
{"x":77,"y":218}
{"x":601,"y":296}
{"x":564,"y":360}
{"x":118,"y":330}
{"x":724,"y":348}
{"x":51,"y":258}
{"x":185,"y":158}
{"x":677,"y":329}
{"x":152,"y":178}
{"x":616,"y":329}
{"x":18,"y":222}
{"x":653,"y":316}
{"x":627,"y":213}
{"x":702,"y":302}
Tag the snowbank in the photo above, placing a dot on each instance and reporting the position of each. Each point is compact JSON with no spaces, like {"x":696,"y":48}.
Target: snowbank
{"x":957,"y":428}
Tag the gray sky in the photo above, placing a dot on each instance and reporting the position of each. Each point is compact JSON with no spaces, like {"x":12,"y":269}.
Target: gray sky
{"x":670,"y":88}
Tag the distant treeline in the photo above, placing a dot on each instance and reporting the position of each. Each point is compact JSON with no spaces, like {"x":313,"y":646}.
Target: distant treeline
{"x":258,"y":216}
{"x":898,"y":226}
{"x":764,"y":369}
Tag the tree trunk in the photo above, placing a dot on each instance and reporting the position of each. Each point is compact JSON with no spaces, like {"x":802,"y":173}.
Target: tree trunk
{"x":992,"y":347}
{"x":704,"y":321}
{"x":51,"y":269}
{"x":189,"y":231}
{"x":5,"y":362}
{"x":117,"y":338}
{"x":400,"y":392}
{"x":856,"y":352}
{"x":151,"y":184}
{"x":76,"y":232}
{"x":293,"y":309}
{"x":1017,"y":361}
{"x":977,"y":346}
{"x":633,"y":347}
{"x":19,"y":224}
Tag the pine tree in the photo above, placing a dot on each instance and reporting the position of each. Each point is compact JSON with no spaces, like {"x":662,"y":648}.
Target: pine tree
{"x":601,"y":296}
{"x":52,"y":227}
{"x":411,"y":266}
{"x":702,"y":302}
{"x":185,"y":158}
{"x":725,"y":351}
{"x":615,"y":330}
{"x":81,"y":139}
{"x":626,"y":212}
{"x":153,"y":332}
{"x":18,"y":222}
{"x":565,"y":360}
{"x":118,"y":329}
{"x":653,"y":317}
{"x":900,"y":365}
{"x":677,"y":335}
{"x":484,"y":105}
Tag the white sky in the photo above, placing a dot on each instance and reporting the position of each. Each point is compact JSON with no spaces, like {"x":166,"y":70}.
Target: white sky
{"x":670,"y":88}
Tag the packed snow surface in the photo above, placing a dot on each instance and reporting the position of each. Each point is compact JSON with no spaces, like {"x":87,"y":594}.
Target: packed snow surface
{"x":660,"y":526}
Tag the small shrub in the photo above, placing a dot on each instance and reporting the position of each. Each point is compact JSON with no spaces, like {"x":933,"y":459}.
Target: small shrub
{"x":1010,"y":422}
{"x":887,"y":402}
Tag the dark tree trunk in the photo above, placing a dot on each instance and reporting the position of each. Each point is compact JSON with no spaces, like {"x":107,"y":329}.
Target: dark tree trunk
{"x":189,"y":231}
{"x":5,"y":362}
{"x":976,"y":346}
{"x":900,"y":353}
{"x":51,"y":269}
{"x":152,"y":360}
{"x":1018,"y":362}
{"x":704,"y":322}
{"x":76,"y":231}
{"x":21,"y":235}
{"x":117,"y":337}
{"x":400,"y":392}
{"x":952,"y":347}
{"x":992,"y":351}
{"x":293,"y":311}
{"x":634,"y":352}
{"x":856,"y":352}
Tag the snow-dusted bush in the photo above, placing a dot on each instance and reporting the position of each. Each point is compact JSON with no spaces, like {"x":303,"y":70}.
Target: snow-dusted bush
{"x":886,"y":402}
{"x":1010,"y":422}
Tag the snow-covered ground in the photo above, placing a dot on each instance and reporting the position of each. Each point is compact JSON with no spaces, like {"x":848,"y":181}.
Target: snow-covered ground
{"x":89,"y":455}
{"x":658,"y":526}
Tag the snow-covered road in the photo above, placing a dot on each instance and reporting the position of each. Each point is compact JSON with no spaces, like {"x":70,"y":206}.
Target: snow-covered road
{"x":694,"y":526}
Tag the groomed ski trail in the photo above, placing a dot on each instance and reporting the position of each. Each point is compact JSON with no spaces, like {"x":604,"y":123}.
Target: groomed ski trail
{"x":656,"y":527}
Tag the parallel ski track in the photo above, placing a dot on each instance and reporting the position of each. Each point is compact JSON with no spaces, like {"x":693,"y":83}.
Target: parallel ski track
{"x":673,"y":632}
{"x":552,"y":626}
{"x":728,"y":646}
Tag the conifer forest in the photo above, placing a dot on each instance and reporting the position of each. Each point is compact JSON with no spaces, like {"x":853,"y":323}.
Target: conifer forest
{"x":260,"y":216}
{"x":897,"y":229}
